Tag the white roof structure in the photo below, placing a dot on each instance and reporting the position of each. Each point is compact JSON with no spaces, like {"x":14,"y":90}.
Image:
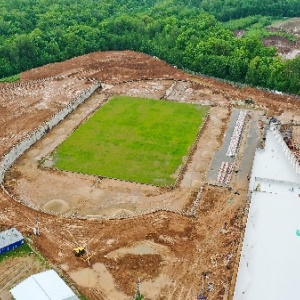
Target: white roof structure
{"x":269,"y":265}
{"x":9,"y":237}
{"x":43,"y":286}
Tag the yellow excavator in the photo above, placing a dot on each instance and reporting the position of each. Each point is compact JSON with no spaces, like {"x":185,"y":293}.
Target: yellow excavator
{"x":79,"y":251}
{"x":82,"y":251}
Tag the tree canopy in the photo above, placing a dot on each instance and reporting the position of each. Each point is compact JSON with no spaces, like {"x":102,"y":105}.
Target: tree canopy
{"x":187,"y":33}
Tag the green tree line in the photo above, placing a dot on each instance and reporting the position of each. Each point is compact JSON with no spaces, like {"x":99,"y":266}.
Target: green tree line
{"x":183,"y":33}
{"x":226,"y":10}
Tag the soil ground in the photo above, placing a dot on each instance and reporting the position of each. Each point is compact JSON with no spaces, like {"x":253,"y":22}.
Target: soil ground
{"x":285,"y":48}
{"x":131,"y":230}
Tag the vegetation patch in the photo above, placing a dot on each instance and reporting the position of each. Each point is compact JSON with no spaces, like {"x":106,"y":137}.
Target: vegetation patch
{"x":22,"y":250}
{"x":259,"y":27}
{"x":142,"y":140}
{"x":185,"y":33}
{"x":12,"y":78}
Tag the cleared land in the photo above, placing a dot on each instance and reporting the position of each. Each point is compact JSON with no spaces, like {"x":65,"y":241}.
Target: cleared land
{"x":133,"y":139}
{"x":167,"y":250}
{"x":286,"y":48}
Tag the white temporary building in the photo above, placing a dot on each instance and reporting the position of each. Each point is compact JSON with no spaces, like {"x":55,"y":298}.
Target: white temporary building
{"x":269,"y":265}
{"x":43,"y":286}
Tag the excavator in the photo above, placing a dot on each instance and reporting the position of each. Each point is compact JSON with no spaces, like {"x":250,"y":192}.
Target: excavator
{"x":86,"y":259}
{"x":79,"y":251}
{"x":82,"y":251}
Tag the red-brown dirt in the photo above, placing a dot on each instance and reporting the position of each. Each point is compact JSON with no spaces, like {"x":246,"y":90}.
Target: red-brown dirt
{"x":168,"y":251}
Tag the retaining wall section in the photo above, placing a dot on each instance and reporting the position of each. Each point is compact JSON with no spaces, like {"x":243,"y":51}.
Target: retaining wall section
{"x":171,"y":88}
{"x":294,"y":184}
{"x":291,"y":157}
{"x":17,"y":150}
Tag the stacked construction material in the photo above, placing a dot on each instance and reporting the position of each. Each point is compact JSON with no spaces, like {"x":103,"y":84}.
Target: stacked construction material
{"x":225,"y":173}
{"x":236,"y":135}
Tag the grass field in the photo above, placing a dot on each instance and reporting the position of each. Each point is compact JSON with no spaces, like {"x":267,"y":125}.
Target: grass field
{"x":134,"y":139}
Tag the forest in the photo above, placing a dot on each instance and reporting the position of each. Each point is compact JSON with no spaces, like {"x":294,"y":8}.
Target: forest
{"x":195,"y":35}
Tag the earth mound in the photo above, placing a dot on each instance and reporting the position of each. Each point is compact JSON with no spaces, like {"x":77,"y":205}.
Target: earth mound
{"x":57,"y":205}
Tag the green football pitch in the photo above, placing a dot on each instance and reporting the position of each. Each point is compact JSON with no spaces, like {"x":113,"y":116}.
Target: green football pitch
{"x":136,"y":139}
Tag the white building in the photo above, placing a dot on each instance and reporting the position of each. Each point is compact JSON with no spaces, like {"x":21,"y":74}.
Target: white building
{"x":269,"y":265}
{"x":43,"y":286}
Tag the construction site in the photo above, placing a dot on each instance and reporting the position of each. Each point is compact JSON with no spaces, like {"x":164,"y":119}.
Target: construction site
{"x":108,"y":236}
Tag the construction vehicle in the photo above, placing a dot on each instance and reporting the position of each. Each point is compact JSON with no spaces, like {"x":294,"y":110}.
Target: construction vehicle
{"x":82,"y":251}
{"x":79,"y":251}
{"x":86,"y":259}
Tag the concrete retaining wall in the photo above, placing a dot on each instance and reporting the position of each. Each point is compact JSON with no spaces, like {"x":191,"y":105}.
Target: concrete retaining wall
{"x":17,"y":150}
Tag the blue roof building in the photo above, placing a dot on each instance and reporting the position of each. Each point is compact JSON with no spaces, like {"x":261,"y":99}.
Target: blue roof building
{"x":10,"y":239}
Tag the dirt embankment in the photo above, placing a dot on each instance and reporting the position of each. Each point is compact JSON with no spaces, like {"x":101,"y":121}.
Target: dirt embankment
{"x":286,"y":48}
